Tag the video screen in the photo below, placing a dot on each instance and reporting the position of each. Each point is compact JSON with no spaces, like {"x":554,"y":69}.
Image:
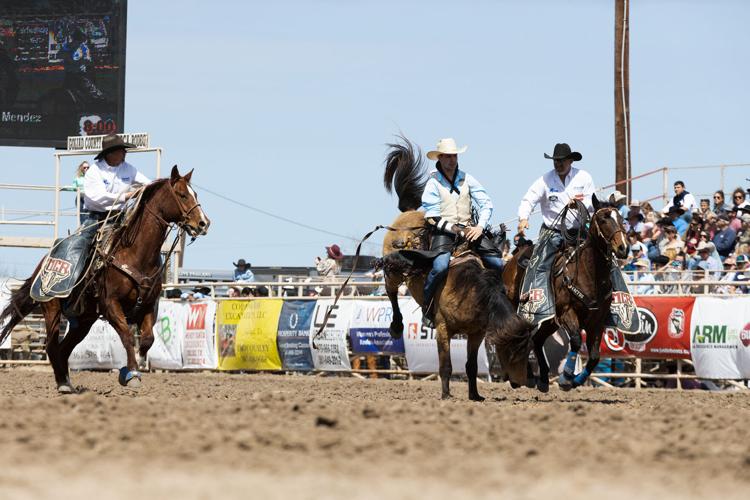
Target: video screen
{"x":62,"y":70}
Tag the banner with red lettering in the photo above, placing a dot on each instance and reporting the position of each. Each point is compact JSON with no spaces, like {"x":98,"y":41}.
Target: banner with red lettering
{"x":664,"y":330}
{"x":199,"y":344}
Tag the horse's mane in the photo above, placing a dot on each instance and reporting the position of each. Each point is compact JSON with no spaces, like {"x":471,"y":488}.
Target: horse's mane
{"x":405,"y":172}
{"x":132,"y":226}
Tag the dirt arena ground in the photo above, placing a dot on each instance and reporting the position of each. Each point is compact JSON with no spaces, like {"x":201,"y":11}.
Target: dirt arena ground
{"x":204,"y":435}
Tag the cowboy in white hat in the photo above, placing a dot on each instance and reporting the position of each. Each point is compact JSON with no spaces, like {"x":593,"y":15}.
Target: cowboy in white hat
{"x":447,"y":200}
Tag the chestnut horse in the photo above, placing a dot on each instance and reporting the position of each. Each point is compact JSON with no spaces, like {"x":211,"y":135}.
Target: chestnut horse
{"x":583,"y":291}
{"x":470,"y":301}
{"x":125,"y":289}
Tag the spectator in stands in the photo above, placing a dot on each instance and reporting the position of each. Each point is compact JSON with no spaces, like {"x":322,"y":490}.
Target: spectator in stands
{"x":734,"y":221}
{"x":743,"y":272}
{"x":725,"y":237}
{"x":77,"y":186}
{"x":634,"y":221}
{"x":233,"y":292}
{"x":694,"y":228}
{"x":643,"y":274}
{"x":672,"y":243}
{"x":705,"y":208}
{"x":730,"y":272}
{"x":247,"y":292}
{"x":743,"y":236}
{"x":675,"y":271}
{"x":242,"y":272}
{"x":682,"y":199}
{"x":674,"y":215}
{"x":719,"y":206}
{"x":329,"y":267}
{"x":201,"y":292}
{"x":173,"y":293}
{"x":739,"y":198}
{"x":707,"y":261}
{"x":617,"y":200}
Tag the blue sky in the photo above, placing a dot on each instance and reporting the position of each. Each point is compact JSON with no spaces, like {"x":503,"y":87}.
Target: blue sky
{"x":287,"y":106}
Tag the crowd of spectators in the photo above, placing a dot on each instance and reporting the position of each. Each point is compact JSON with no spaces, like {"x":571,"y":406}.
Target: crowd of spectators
{"x":688,"y":240}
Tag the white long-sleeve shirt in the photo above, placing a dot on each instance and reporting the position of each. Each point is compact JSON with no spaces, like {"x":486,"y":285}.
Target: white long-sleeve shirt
{"x":688,"y":204}
{"x":103,"y":184}
{"x":550,"y":192}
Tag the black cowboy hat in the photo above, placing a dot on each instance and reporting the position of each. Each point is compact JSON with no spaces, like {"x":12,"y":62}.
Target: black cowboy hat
{"x":675,"y":210}
{"x":562,"y":152}
{"x":111,"y":143}
{"x":241,"y":263}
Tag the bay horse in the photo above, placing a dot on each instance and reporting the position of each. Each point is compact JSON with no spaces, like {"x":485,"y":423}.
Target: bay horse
{"x":126,"y":289}
{"x":583,"y":291}
{"x":471,"y":301}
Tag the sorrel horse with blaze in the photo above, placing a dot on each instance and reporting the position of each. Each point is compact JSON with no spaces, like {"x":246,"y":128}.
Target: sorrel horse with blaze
{"x":126,"y":289}
{"x":471,"y":301}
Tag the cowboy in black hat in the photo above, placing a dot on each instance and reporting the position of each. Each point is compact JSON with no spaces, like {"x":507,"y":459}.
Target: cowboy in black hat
{"x":558,"y":188}
{"x":107,"y":185}
{"x":242,"y":272}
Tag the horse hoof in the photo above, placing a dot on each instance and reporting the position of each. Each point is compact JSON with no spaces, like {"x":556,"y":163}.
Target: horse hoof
{"x":129,"y":378}
{"x":396,"y":331}
{"x":514,"y":385}
{"x":542,"y":386}
{"x":476,"y":397}
{"x":445,"y":396}
{"x":565,"y":386}
{"x":65,"y":389}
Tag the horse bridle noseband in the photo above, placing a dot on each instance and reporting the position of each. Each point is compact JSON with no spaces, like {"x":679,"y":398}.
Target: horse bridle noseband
{"x":595,"y":222}
{"x":184,"y":214}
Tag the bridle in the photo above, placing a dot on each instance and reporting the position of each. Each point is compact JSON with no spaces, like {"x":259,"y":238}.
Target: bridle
{"x":184,"y":213}
{"x":595,"y":224}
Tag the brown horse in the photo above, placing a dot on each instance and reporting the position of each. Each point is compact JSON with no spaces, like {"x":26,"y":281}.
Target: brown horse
{"x":126,"y":289}
{"x":583,"y":292}
{"x":470,"y":301}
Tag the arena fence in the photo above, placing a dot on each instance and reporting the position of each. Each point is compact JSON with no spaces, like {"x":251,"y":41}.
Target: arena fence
{"x":682,"y":338}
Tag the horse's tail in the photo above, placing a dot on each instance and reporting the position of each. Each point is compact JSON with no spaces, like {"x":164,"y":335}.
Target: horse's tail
{"x":506,"y":330}
{"x":405,"y":172}
{"x":21,"y":304}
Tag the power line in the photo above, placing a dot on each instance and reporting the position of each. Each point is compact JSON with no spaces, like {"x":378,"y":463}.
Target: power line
{"x":275,"y":216}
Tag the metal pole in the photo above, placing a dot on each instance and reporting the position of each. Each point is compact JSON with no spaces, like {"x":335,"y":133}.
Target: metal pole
{"x":665,"y":184}
{"x":158,"y":163}
{"x":679,"y":374}
{"x":638,"y":372}
{"x":722,"y":168}
{"x":57,"y":196}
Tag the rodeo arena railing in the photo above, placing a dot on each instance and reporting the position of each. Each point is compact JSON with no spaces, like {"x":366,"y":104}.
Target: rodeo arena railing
{"x":695,"y":326}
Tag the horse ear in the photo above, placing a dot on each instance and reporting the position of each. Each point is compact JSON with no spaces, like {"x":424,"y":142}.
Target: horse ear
{"x":595,"y":202}
{"x":175,"y":176}
{"x":188,"y":176}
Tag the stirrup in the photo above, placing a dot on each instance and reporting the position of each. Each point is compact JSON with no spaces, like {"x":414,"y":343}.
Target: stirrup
{"x":428,"y":318}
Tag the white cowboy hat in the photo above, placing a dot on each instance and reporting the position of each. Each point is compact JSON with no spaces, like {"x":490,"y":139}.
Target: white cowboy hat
{"x":616,"y":197}
{"x":446,"y":146}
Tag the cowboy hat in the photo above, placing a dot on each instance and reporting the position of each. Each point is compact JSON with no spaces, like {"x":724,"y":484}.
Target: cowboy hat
{"x":635,"y":203}
{"x":562,"y":152}
{"x":703,"y":246}
{"x":334,"y":252}
{"x":675,"y":210}
{"x":616,"y":197}
{"x":241,"y":263}
{"x":110,"y":143}
{"x":642,"y":263}
{"x":446,"y":146}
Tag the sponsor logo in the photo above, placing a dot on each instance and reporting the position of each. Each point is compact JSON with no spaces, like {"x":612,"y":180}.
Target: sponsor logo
{"x":614,"y":340}
{"x":536,"y":299}
{"x":718,"y":337}
{"x":745,"y":335}
{"x":648,"y":328}
{"x":197,"y":317}
{"x":623,"y":306}
{"x":676,"y":326}
{"x":54,"y":271}
{"x":412,"y":331}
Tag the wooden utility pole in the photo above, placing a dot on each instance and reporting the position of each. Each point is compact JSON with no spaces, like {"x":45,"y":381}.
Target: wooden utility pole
{"x":622,"y":98}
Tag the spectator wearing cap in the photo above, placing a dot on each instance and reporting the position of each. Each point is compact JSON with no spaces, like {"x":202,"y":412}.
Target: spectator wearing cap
{"x":730,"y":272}
{"x":634,"y":221}
{"x":674,"y":215}
{"x":707,"y":261}
{"x":734,"y":220}
{"x":617,"y":200}
{"x":242,"y":272}
{"x":643,"y":275}
{"x":638,"y":250}
{"x":725,"y":237}
{"x":329,"y":267}
{"x":719,"y":205}
{"x":682,"y":199}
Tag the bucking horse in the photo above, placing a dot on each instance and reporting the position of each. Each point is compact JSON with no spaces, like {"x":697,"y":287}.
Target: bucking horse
{"x":125,"y":282}
{"x":471,"y":301}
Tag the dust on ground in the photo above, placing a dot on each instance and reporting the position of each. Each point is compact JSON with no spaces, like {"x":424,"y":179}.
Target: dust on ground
{"x":214,"y":435}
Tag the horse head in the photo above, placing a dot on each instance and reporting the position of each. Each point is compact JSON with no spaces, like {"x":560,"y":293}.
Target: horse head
{"x":186,"y":211}
{"x":607,"y":226}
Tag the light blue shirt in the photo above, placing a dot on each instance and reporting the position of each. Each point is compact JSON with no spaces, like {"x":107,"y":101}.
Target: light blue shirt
{"x":246,"y":276}
{"x":479,"y":197}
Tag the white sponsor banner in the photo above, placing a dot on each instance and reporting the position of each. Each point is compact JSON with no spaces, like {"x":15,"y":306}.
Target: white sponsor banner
{"x":199,"y":344}
{"x":4,"y":301}
{"x":94,"y":142}
{"x":720,"y":337}
{"x":331,"y":353}
{"x":421,"y":346}
{"x":169,"y":332}
{"x":100,"y":349}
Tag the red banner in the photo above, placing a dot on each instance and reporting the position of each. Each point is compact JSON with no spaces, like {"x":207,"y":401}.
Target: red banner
{"x":664,"y":333}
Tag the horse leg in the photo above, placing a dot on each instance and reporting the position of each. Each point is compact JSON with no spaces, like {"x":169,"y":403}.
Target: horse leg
{"x":52,"y":313}
{"x":77,"y":331}
{"x":146,"y":329}
{"x":592,"y":345}
{"x":541,"y":358}
{"x":472,"y":353}
{"x":570,"y":324}
{"x":397,"y":323}
{"x":129,"y":375}
{"x":444,"y":357}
